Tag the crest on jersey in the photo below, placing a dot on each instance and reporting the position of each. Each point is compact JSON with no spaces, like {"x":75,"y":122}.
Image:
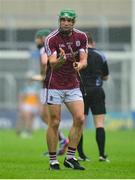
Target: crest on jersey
{"x":78,"y":43}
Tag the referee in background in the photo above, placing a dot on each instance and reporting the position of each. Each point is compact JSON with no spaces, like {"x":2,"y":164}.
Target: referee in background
{"x":93,"y":76}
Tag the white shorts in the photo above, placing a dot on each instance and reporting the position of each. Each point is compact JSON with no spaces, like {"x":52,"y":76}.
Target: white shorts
{"x":54,"y":96}
{"x":30,"y":108}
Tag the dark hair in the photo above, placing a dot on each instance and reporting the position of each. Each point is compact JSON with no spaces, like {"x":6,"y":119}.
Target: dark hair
{"x":90,"y":37}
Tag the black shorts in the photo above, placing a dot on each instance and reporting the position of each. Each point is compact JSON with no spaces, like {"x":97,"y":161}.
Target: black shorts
{"x":95,"y":101}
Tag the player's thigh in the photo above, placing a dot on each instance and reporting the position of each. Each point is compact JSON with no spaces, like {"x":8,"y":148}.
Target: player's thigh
{"x":55,"y":113}
{"x":45,"y":114}
{"x":77,"y":109}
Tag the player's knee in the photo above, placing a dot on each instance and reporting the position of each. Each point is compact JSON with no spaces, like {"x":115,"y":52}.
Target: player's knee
{"x":54,"y":123}
{"x":80,"y":120}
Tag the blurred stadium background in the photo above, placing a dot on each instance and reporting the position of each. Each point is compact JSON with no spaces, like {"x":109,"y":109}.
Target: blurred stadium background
{"x":112,"y":24}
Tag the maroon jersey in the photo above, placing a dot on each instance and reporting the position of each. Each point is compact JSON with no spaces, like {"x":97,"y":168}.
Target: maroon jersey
{"x":64,"y":77}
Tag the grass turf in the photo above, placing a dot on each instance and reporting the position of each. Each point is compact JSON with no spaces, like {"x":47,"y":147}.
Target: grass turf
{"x":23,"y":158}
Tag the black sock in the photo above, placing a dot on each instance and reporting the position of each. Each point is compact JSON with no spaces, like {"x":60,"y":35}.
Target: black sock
{"x":100,"y":138}
{"x":80,"y":147}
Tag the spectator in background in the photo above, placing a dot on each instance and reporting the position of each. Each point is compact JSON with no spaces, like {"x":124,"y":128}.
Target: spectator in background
{"x":93,"y":76}
{"x":28,"y":107}
{"x":45,"y":115}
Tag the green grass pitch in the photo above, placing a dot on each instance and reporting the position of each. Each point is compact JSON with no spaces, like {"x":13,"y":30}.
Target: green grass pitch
{"x":23,"y":158}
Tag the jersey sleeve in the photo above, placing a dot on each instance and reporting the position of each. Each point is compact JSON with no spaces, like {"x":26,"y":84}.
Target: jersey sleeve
{"x":105,"y":69}
{"x":84,"y":43}
{"x":50,"y":47}
{"x":105,"y":66}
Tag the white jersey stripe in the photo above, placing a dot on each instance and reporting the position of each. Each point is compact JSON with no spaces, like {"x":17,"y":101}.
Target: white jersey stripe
{"x":48,"y":51}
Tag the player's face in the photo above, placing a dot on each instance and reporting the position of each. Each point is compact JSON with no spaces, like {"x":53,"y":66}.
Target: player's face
{"x":39,"y":42}
{"x":66,"y":24}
